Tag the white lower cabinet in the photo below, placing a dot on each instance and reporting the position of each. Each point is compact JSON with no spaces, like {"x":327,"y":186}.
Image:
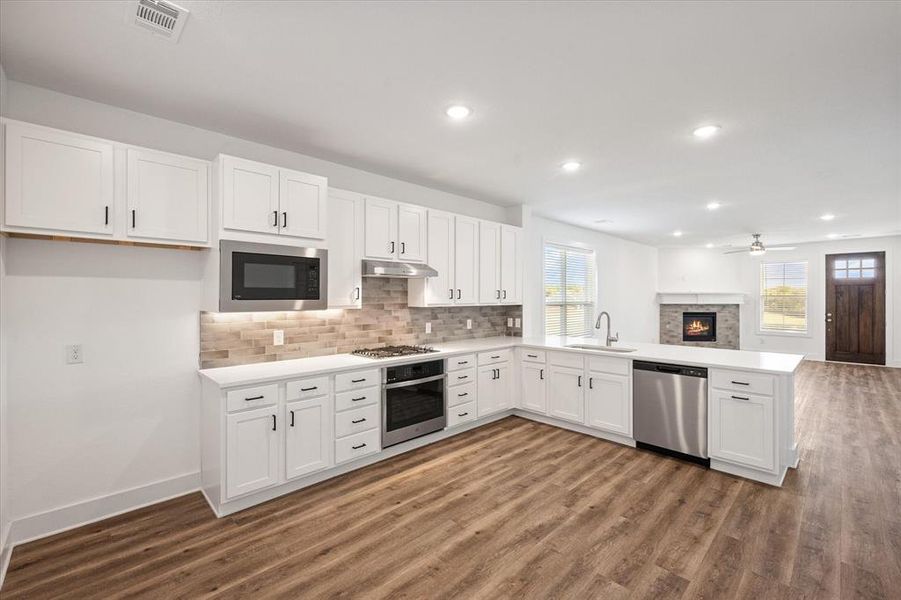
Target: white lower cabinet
{"x":308,"y":443}
{"x":609,"y":403}
{"x":461,"y":413}
{"x":741,"y":427}
{"x":533,"y":390}
{"x":566,"y":399}
{"x":252,"y":445}
{"x":356,"y":446}
{"x":494,"y":388}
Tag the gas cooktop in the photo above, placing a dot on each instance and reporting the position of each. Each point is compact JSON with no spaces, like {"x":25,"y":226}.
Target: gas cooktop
{"x":392,"y":351}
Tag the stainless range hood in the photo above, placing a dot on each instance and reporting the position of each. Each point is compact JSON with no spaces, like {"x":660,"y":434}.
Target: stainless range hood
{"x":387,"y":268}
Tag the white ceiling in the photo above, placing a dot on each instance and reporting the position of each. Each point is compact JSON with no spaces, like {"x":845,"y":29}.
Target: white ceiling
{"x":808,"y":95}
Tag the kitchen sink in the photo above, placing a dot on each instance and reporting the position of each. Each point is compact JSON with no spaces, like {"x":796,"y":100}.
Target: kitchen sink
{"x":601,"y":348}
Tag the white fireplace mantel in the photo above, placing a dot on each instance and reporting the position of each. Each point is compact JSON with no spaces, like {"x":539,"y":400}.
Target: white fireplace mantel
{"x":700,"y":298}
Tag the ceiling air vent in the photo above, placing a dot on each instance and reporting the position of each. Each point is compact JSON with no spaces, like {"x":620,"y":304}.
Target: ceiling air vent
{"x":162,"y":18}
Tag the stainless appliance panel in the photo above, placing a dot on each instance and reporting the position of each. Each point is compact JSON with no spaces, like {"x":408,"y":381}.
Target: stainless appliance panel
{"x":414,"y":402}
{"x":670,"y":407}
{"x":228,"y":250}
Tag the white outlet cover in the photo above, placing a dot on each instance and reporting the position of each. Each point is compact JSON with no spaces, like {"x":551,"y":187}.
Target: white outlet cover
{"x":509,"y":321}
{"x":518,"y":322}
{"x":428,"y":327}
{"x":74,"y":354}
{"x":278,"y":337}
{"x":468,"y":323}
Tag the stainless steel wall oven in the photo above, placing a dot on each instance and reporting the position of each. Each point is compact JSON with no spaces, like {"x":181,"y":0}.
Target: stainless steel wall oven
{"x":413,"y":401}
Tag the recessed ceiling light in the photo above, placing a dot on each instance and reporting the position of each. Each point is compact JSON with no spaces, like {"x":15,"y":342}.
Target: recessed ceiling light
{"x":571,"y":166}
{"x":458,"y":112}
{"x":708,"y":245}
{"x":706,"y":131}
{"x":827,"y":217}
{"x":677,"y":233}
{"x":713,"y":205}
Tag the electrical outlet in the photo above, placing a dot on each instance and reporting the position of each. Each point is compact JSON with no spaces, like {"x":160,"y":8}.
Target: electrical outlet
{"x":509,"y":321}
{"x":278,"y":337}
{"x":74,"y":354}
{"x":428,"y":327}
{"x":468,"y":323}
{"x":518,"y":323}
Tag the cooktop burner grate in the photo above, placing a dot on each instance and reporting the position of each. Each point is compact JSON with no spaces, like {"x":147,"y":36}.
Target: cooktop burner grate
{"x":393,"y":351}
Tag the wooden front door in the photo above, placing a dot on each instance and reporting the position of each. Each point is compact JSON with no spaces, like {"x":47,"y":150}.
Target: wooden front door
{"x":855,"y":307}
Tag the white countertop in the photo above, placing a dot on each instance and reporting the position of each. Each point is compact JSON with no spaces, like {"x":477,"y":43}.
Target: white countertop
{"x":769,"y":362}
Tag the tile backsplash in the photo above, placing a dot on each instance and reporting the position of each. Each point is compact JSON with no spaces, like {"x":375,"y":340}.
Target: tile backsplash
{"x":228,"y":339}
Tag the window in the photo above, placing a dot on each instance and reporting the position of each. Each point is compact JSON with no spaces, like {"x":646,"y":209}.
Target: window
{"x":569,"y":291}
{"x":783,"y":297}
{"x":855,"y":268}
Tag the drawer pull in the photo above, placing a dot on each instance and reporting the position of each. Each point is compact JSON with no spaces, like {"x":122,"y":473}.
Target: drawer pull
{"x":358,"y":380}
{"x":495,"y":357}
{"x":358,"y":421}
{"x":310,"y":389}
{"x":463,"y":394}
{"x":741,"y":383}
{"x":462,"y":362}
{"x":532,"y":355}
{"x":363,"y":445}
{"x":739,"y":398}
{"x":462,"y":376}
{"x":358,"y":399}
{"x":462,"y":414}
{"x":251,"y":399}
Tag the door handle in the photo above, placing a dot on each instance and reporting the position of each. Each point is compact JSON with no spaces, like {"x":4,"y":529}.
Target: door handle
{"x":292,"y":418}
{"x":284,"y":220}
{"x":275,"y":218}
{"x":392,"y":248}
{"x":505,"y":294}
{"x":133,"y":218}
{"x":106,"y":215}
{"x":403,"y":247}
{"x":358,"y":293}
{"x":459,"y":295}
{"x":591,"y":383}
{"x":541,"y":374}
{"x":450,"y":294}
{"x":580,"y":381}
{"x":273,"y":423}
{"x":498,"y":294}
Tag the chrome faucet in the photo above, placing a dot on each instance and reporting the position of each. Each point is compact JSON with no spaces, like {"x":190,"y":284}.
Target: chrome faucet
{"x":610,"y":338}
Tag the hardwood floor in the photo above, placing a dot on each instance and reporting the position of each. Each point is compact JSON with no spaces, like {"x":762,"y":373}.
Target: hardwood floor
{"x":521,"y":510}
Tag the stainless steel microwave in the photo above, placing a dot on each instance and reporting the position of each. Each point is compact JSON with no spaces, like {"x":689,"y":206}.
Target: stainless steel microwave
{"x":261,"y":277}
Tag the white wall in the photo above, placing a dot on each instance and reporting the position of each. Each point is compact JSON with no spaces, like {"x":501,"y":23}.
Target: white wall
{"x":128,"y":417}
{"x":626,"y":278}
{"x":701,"y":270}
{"x":4,"y":419}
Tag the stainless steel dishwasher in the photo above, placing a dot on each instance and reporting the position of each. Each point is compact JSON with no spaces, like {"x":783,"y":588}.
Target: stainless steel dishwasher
{"x":670,"y":404}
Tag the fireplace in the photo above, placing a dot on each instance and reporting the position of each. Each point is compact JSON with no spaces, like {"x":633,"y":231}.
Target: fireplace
{"x":699,"y":327}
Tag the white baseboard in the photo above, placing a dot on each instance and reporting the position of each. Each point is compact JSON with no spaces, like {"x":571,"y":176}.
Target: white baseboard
{"x":54,"y":521}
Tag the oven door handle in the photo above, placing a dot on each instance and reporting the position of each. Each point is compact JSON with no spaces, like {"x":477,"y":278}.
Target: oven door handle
{"x":391,"y":386}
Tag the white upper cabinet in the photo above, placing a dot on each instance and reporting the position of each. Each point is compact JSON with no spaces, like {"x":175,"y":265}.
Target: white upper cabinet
{"x":411,"y":233}
{"x":441,"y":289}
{"x":511,"y":265}
{"x":381,"y":229}
{"x":345,"y":251}
{"x":303,"y":204}
{"x":466,"y":260}
{"x":489,"y":262}
{"x":58,"y":181}
{"x":262,"y":198}
{"x":168,"y":197}
{"x":249,"y":195}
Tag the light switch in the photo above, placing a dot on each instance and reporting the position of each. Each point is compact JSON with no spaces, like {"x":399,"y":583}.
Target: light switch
{"x":428,"y":327}
{"x":468,"y":323}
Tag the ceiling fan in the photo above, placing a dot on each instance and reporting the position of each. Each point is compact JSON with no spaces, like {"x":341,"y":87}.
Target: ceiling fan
{"x":758,"y":249}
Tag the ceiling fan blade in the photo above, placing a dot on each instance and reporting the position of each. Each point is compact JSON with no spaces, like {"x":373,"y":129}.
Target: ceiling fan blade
{"x":741,"y":251}
{"x":779,"y":248}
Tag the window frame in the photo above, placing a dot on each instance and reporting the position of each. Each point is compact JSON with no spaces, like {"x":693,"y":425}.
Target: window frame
{"x":760,"y":301}
{"x":593,"y":294}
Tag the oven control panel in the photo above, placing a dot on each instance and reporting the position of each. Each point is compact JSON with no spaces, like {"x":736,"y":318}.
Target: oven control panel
{"x":414,"y":371}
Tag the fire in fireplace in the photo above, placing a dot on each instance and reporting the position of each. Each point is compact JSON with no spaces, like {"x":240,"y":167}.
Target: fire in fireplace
{"x":699,"y":327}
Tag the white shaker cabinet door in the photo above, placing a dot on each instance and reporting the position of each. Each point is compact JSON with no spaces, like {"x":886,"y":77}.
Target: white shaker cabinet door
{"x":610,"y":403}
{"x":441,"y":289}
{"x":345,"y":250}
{"x":411,"y":233}
{"x":303,"y":206}
{"x":381,"y":229}
{"x":511,"y":265}
{"x":58,"y":181}
{"x":742,"y":429}
{"x":168,"y":197}
{"x":566,"y":396}
{"x":533,"y":395}
{"x":250,"y":195}
{"x":466,"y":261}
{"x":489,"y":262}
{"x":308,"y":436}
{"x":252,"y":451}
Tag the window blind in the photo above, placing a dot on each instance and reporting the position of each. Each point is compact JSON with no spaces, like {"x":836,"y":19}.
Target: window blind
{"x":783,"y":297}
{"x":569,"y":290}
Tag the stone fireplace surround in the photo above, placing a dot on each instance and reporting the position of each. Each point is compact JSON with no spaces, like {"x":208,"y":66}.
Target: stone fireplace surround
{"x":727,"y":324}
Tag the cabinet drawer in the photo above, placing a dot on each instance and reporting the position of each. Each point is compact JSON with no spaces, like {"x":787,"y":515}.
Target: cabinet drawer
{"x":464,"y":361}
{"x":357,"y":398}
{"x":495,"y":356}
{"x":756,"y":383}
{"x":461,"y":377}
{"x":566,"y":359}
{"x":357,"y":379}
{"x":356,"y":446}
{"x":461,"y":394}
{"x":307,"y":388}
{"x":461,"y":414}
{"x":609,"y":364}
{"x":252,"y":397}
{"x":357,"y":420}
{"x":538,"y":356}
